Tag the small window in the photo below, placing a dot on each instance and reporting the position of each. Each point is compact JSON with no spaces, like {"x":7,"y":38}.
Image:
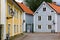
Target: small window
{"x":39,"y":18}
{"x":17,"y":15}
{"x":9,"y":9}
{"x":17,"y":28}
{"x":39,"y":26}
{"x":52,"y":11}
{"x":49,"y":18}
{"x":49,"y":27}
{"x":8,"y":28}
{"x":14,"y":28}
{"x":44,"y":9}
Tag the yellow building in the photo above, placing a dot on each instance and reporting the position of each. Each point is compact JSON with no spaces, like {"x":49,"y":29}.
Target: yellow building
{"x":13,"y":22}
{"x":11,"y":18}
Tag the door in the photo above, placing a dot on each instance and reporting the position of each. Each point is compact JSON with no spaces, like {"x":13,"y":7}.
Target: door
{"x":28,"y":28}
{"x":1,"y":31}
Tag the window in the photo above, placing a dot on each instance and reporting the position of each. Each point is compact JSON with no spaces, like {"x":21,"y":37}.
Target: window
{"x":8,"y":9}
{"x":8,"y":28}
{"x":15,"y":13}
{"x":17,"y":28}
{"x":14,"y":28}
{"x":49,"y":27}
{"x":39,"y":26}
{"x":39,"y":17}
{"x":49,"y":18}
{"x":52,"y":11}
{"x":44,"y":9}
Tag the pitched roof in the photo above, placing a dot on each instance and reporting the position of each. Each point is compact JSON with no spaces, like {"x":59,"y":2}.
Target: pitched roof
{"x":25,"y":8}
{"x":55,"y":7}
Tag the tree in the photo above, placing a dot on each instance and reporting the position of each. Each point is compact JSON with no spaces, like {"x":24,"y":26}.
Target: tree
{"x":34,"y":4}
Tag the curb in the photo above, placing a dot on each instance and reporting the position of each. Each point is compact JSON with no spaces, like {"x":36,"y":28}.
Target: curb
{"x":22,"y":37}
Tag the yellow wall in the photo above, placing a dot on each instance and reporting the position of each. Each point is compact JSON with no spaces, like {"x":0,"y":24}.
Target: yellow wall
{"x":17,"y":21}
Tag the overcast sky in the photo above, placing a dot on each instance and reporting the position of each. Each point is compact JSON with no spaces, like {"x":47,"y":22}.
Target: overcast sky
{"x":19,"y":0}
{"x":57,"y":1}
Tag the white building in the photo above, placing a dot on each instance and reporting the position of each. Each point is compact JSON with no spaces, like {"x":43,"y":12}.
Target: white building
{"x":2,"y":19}
{"x":47,"y":18}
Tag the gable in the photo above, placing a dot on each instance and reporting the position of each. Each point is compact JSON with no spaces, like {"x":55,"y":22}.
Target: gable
{"x":44,"y":5}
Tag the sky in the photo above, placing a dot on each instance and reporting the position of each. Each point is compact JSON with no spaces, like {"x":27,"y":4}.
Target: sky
{"x":57,"y":1}
{"x":19,"y":0}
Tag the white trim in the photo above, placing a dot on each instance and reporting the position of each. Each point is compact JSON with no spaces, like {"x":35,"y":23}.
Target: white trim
{"x":24,"y":24}
{"x":55,"y":22}
{"x":3,"y":16}
{"x":34,"y":22}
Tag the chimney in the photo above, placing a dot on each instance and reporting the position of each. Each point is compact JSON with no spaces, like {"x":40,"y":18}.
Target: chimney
{"x":54,"y":3}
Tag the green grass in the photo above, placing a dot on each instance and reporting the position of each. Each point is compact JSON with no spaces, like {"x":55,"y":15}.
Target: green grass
{"x":16,"y":36}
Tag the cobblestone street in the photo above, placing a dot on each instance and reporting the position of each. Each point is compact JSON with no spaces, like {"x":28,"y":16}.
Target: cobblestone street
{"x":41,"y":36}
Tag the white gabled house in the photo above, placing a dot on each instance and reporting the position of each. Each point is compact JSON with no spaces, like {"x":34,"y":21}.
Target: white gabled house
{"x":47,"y":18}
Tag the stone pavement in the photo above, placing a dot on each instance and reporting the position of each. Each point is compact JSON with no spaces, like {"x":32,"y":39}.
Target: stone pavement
{"x":40,"y":36}
{"x":21,"y":37}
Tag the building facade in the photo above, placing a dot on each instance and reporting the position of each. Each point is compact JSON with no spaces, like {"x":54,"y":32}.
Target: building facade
{"x":11,"y":18}
{"x":46,"y":18}
{"x":28,"y":24}
{"x":27,"y":18}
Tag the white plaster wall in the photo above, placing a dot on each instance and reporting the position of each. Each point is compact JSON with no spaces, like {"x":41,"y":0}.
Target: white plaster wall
{"x":58,"y":23}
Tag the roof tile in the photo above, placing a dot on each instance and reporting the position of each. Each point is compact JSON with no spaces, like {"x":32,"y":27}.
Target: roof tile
{"x":25,"y":8}
{"x":55,"y":7}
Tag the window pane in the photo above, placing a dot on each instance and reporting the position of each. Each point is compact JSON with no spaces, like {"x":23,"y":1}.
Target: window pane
{"x":15,"y":13}
{"x":49,"y":27}
{"x":17,"y":28}
{"x":39,"y":26}
{"x":8,"y":9}
{"x":14,"y":28}
{"x":8,"y":28}
{"x":44,"y":9}
{"x":49,"y":18}
{"x":39,"y":17}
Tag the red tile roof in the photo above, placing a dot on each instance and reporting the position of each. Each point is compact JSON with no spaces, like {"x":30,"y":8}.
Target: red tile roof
{"x":25,"y":8}
{"x":55,"y":7}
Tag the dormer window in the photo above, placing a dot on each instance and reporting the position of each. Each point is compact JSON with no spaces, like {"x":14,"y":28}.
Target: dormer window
{"x":52,"y":11}
{"x":36,"y":12}
{"x":44,"y":9}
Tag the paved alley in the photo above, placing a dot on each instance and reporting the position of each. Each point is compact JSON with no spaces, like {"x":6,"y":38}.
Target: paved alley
{"x":41,"y":36}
